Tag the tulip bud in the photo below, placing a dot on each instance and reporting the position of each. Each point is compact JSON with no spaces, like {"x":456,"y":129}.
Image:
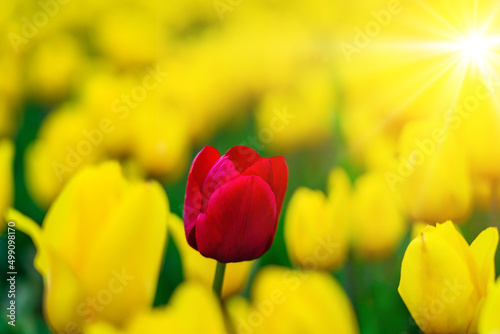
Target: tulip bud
{"x":444,"y":280}
{"x":233,"y":203}
{"x":292,"y":301}
{"x":375,"y":236}
{"x":100,"y":247}
{"x":176,"y":317}
{"x":62,"y":147}
{"x":306,"y":120}
{"x":197,"y":268}
{"x":480,"y":135}
{"x":160,"y":140}
{"x":316,"y":227}
{"x":54,"y":67}
{"x":431,"y":190}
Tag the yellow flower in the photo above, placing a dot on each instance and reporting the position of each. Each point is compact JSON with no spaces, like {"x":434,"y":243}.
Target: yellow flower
{"x":54,"y":67}
{"x":301,"y":116}
{"x":160,"y":140}
{"x":100,"y":247}
{"x":315,"y":227}
{"x":432,"y":191}
{"x":444,"y":280}
{"x":6,"y":178}
{"x":483,"y":150}
{"x":375,"y":236}
{"x":10,"y":86}
{"x":128,"y":35}
{"x":67,"y":141}
{"x":191,"y":310}
{"x":489,"y":322}
{"x":291,"y":301}
{"x":200,"y":269}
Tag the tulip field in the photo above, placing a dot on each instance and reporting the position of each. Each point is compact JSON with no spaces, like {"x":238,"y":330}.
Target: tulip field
{"x":249,"y":167}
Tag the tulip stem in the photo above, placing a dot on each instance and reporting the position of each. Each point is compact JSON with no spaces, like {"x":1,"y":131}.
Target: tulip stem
{"x":219,"y":278}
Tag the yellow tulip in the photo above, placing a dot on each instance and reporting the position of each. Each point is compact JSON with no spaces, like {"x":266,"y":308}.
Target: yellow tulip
{"x":481,"y":138}
{"x":54,"y":67}
{"x":291,"y":301}
{"x":375,"y":236}
{"x":444,"y":280}
{"x":100,"y":247}
{"x":191,"y":310}
{"x":128,"y":35}
{"x":489,"y":321}
{"x":67,"y":141}
{"x":160,"y":140}
{"x":315,"y":227}
{"x":200,"y":269}
{"x":6,"y":178}
{"x":301,"y":116}
{"x":10,"y":86}
{"x":431,"y":190}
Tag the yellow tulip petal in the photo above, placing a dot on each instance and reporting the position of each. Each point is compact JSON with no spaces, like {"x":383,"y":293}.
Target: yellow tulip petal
{"x":291,"y":301}
{"x":191,"y":310}
{"x":489,"y":321}
{"x":483,"y":250}
{"x":315,"y":231}
{"x":133,"y":243}
{"x":64,"y":296}
{"x":101,"y":328}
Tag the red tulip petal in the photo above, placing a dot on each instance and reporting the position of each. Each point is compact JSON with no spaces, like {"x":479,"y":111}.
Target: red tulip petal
{"x":203,"y":163}
{"x":192,"y":202}
{"x":280,"y":181}
{"x":275,"y":172}
{"x":240,"y":222}
{"x":221,"y":173}
{"x":242,"y":157}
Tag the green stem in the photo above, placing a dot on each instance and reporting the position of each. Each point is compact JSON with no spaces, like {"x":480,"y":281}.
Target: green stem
{"x":219,"y":278}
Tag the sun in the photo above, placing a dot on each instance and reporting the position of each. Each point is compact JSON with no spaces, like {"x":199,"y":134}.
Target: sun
{"x":474,"y":48}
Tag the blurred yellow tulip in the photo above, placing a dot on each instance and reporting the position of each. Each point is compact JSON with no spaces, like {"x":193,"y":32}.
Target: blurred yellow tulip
{"x":10,"y":87}
{"x":291,"y":301}
{"x":160,"y":140}
{"x":192,"y":309}
{"x":481,"y":137}
{"x":6,"y":178}
{"x":378,"y":223}
{"x":489,"y":321}
{"x":54,"y":67}
{"x":433,"y":176}
{"x":444,"y":280}
{"x":315,"y":227}
{"x":67,"y":141}
{"x":197,"y":268}
{"x":301,"y":116}
{"x":100,"y":247}
{"x":128,"y":34}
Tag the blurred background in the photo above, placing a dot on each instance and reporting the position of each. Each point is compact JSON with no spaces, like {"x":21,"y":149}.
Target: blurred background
{"x":386,"y":112}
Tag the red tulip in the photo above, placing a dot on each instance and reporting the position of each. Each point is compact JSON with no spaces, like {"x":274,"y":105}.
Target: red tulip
{"x":233,"y":203}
